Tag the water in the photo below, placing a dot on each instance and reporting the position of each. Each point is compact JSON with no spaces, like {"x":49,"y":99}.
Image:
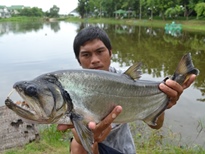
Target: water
{"x":30,"y":49}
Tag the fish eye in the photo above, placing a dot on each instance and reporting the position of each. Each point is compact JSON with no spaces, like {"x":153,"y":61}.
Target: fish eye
{"x":31,"y":90}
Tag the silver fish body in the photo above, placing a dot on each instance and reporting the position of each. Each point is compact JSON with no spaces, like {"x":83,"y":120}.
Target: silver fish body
{"x":89,"y":95}
{"x":95,"y":93}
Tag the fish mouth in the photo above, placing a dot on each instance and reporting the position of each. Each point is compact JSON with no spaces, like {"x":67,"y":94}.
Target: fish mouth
{"x":19,"y":105}
{"x":25,"y":109}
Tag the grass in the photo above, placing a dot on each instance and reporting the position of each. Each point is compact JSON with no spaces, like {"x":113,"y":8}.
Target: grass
{"x":152,"y":141}
{"x":21,"y":19}
{"x":188,"y":25}
{"x":51,"y":142}
{"x":147,"y":141}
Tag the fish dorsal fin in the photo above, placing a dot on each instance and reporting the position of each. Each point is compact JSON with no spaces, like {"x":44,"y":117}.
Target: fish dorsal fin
{"x":134,"y":71}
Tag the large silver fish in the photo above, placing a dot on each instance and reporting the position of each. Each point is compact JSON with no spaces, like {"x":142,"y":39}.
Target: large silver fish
{"x":89,"y":95}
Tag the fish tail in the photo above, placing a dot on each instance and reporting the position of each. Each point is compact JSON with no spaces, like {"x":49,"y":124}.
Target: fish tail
{"x":184,"y":69}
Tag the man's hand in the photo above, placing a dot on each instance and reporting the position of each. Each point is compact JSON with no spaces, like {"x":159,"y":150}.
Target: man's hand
{"x":174,"y":90}
{"x":100,"y":131}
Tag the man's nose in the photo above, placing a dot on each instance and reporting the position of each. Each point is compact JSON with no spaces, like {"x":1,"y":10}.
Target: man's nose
{"x":95,"y":59}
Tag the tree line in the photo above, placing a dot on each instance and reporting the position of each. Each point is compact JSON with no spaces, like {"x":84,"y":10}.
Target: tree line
{"x":129,"y":9}
{"x":142,"y":8}
{"x":38,"y":12}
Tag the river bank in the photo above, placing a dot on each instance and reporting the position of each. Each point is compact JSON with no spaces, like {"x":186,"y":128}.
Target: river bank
{"x":187,"y":25}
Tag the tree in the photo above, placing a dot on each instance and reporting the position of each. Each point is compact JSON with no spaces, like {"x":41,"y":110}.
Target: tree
{"x":54,"y":11}
{"x":189,"y":6}
{"x":200,"y":9}
{"x":151,"y":6}
{"x":174,"y":11}
{"x":37,"y":12}
{"x":163,"y":5}
{"x":83,"y":7}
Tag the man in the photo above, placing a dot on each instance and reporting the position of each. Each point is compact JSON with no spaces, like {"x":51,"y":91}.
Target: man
{"x":93,"y":50}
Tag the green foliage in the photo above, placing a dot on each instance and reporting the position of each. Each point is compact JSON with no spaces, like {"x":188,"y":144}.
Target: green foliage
{"x":173,"y":11}
{"x":200,"y":9}
{"x":31,"y":12}
{"x":53,"y":12}
{"x":83,"y":7}
{"x":142,"y":8}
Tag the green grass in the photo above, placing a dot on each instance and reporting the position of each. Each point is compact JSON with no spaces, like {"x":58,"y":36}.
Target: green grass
{"x":21,"y":19}
{"x":188,"y":25}
{"x":147,"y":141}
{"x":51,"y":142}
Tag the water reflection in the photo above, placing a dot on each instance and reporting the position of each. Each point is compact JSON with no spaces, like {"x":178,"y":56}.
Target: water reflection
{"x":26,"y":27}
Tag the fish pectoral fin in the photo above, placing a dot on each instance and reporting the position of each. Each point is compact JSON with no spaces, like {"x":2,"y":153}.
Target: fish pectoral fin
{"x":134,"y":71}
{"x":84,"y":133}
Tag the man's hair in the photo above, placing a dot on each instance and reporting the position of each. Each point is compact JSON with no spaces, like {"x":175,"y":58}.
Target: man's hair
{"x":88,"y":34}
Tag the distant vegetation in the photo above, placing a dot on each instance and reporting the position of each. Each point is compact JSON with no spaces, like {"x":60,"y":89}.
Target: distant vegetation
{"x":37,"y":12}
{"x":137,"y":9}
{"x":142,"y":8}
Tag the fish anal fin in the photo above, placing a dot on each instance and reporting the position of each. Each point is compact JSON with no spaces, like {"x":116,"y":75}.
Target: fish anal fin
{"x":84,"y":133}
{"x":152,"y":118}
{"x":134,"y":71}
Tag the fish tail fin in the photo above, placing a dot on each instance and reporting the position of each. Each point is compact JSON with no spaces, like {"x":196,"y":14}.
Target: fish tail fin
{"x":184,"y":69}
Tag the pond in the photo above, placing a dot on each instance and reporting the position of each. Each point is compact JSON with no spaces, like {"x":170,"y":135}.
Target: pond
{"x":30,"y":49}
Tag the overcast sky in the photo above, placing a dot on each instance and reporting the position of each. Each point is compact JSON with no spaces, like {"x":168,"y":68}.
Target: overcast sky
{"x":66,"y":6}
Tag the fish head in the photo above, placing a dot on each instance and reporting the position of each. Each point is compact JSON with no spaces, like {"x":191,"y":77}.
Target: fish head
{"x":45,"y":99}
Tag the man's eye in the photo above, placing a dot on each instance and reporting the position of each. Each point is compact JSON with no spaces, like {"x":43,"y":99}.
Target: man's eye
{"x":100,"y":51}
{"x":85,"y":55}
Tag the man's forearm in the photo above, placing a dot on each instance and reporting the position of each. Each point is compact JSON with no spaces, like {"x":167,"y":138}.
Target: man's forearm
{"x":160,"y":122}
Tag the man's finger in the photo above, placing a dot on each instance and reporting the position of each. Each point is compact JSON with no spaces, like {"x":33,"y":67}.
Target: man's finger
{"x":190,"y":81}
{"x":75,"y":135}
{"x":63,"y":127}
{"x":167,"y":90}
{"x":109,"y":119}
{"x":175,"y":86}
{"x":102,"y":135}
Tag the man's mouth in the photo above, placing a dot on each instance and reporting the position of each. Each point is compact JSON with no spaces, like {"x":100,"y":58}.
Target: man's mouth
{"x":97,"y":68}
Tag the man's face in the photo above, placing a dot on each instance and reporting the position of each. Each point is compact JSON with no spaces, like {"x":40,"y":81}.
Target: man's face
{"x":94,"y":55}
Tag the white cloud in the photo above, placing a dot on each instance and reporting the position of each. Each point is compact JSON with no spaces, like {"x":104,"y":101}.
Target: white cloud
{"x":66,"y":6}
